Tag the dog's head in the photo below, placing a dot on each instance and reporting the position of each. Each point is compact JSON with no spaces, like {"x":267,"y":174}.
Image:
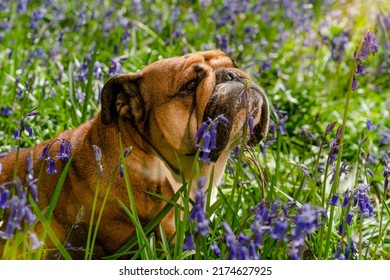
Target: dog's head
{"x":168,"y":101}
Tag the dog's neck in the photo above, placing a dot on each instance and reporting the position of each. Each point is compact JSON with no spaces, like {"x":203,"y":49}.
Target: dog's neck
{"x":146,"y":161}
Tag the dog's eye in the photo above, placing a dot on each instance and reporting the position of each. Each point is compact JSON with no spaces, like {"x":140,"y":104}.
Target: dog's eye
{"x":189,"y":87}
{"x":192,"y":85}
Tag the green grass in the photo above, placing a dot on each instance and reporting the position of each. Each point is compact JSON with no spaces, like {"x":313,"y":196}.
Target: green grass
{"x":299,"y":59}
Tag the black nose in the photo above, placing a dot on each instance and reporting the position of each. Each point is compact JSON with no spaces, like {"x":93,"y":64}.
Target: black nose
{"x":223,"y":75}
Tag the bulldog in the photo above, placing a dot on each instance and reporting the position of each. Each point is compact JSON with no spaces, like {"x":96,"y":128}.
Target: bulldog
{"x":157,"y":112}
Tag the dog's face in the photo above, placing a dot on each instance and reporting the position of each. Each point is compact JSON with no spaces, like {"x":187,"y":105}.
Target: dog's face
{"x":169,"y":100}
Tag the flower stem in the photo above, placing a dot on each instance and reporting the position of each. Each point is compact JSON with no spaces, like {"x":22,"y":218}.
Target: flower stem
{"x":336,"y":181}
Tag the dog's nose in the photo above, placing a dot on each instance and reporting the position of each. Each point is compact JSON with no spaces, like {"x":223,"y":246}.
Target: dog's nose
{"x":223,"y":75}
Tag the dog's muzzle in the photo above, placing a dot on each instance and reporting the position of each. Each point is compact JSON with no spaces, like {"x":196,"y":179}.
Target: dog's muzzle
{"x":229,"y":98}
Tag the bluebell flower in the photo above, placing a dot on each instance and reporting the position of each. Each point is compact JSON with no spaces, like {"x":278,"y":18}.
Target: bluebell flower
{"x":31,"y":133}
{"x":258,"y":232}
{"x":188,"y":243}
{"x":97,"y":70}
{"x":346,"y":200}
{"x":44,"y":153}
{"x":80,"y":14}
{"x":52,"y":167}
{"x":19,"y":209}
{"x":340,"y":229}
{"x":386,"y":175}
{"x":17,"y":135}
{"x":65,"y":147}
{"x":206,"y":136}
{"x":98,"y":157}
{"x":334,"y":200}
{"x":330,"y":127}
{"x":21,"y":6}
{"x":354,"y":83}
{"x":359,"y":68}
{"x":36,"y":18}
{"x":197,"y":212}
{"x":279,"y":229}
{"x":362,"y":200}
{"x":370,"y":125}
{"x":283,"y":117}
{"x":35,"y":242}
{"x":6,"y":111}
{"x":369,"y":172}
{"x":370,"y":45}
{"x":338,"y":255}
{"x":116,"y":65}
{"x":350,"y":250}
{"x":3,"y":198}
{"x":81,"y":71}
{"x":338,"y":44}
{"x":253,"y":253}
{"x":349,"y":219}
{"x":215,"y":249}
{"x":80,"y":95}
{"x":243,"y":239}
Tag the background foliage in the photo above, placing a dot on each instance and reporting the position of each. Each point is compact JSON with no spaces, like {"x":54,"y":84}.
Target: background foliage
{"x":56,"y":56}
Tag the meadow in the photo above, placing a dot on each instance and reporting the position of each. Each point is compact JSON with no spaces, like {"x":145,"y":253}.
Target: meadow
{"x":315,"y":188}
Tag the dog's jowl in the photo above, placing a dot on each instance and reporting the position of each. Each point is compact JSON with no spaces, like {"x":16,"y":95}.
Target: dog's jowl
{"x":157,"y":112}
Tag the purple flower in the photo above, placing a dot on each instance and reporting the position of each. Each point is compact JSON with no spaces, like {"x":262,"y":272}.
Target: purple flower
{"x":116,"y":65}
{"x":197,"y":212}
{"x":17,"y":135}
{"x":370,"y":125}
{"x":36,"y":18}
{"x":6,"y":111}
{"x":21,"y":6}
{"x":3,"y":198}
{"x":349,"y":219}
{"x":52,"y":168}
{"x":80,"y":95}
{"x":81,"y":71}
{"x":45,"y":151}
{"x":65,"y":147}
{"x":369,"y":172}
{"x":283,"y":117}
{"x":30,"y":133}
{"x":278,"y":230}
{"x":370,"y":44}
{"x":362,"y":200}
{"x":354,"y":83}
{"x":338,"y":255}
{"x":188,"y":243}
{"x":206,"y":136}
{"x":346,"y":200}
{"x":359,"y":68}
{"x":334,"y":200}
{"x":19,"y":209}
{"x":97,"y":70}
{"x":35,"y":242}
{"x":215,"y":249}
{"x":330,"y":127}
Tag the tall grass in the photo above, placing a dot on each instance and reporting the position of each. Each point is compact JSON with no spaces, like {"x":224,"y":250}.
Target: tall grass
{"x":327,"y":142}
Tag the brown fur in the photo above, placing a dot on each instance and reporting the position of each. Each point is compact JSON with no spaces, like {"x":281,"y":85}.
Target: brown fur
{"x":144,"y":109}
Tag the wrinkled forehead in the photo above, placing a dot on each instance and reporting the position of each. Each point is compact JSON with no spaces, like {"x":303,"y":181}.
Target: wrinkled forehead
{"x":215,"y":59}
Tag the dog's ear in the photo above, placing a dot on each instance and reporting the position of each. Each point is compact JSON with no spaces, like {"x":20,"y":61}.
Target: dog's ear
{"x":261,"y":129}
{"x":121,"y":97}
